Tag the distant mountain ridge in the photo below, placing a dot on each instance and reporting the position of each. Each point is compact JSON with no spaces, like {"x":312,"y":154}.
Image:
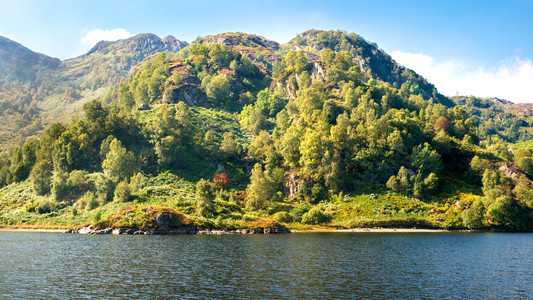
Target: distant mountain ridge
{"x":36,"y":90}
{"x":20,"y":63}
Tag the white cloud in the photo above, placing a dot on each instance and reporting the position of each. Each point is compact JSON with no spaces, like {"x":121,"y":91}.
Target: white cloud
{"x":94,"y":36}
{"x":512,"y":79}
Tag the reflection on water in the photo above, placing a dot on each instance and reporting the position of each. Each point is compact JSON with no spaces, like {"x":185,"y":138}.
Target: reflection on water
{"x":294,"y":266}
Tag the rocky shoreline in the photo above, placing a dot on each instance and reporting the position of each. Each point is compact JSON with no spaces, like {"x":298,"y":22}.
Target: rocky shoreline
{"x":175,"y":231}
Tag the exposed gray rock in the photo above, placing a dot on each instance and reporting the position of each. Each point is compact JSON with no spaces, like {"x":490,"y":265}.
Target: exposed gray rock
{"x":511,"y":170}
{"x":188,"y":93}
{"x":180,"y":230}
{"x":163,"y":221}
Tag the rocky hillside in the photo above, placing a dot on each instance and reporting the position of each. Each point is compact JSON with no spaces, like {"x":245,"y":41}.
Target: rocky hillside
{"x":20,"y":64}
{"x":261,"y":51}
{"x":235,"y":129}
{"x":499,"y":119}
{"x":373,"y":62}
{"x":36,"y":90}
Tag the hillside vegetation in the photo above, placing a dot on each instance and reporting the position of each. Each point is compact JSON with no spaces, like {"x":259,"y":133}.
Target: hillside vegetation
{"x":235,"y":130}
{"x":37,"y":90}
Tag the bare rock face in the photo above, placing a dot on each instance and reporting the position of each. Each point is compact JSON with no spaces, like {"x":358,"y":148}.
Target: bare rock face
{"x":511,"y":170}
{"x":163,"y":221}
{"x":293,"y":183}
{"x":317,"y":72}
{"x":188,"y":93}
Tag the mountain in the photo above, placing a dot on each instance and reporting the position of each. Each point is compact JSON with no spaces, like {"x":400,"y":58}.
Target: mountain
{"x":263,"y":52}
{"x":373,"y":62}
{"x":236,"y":131}
{"x":18,"y":63}
{"x":499,"y":119}
{"x":107,"y":61}
{"x":36,"y":90}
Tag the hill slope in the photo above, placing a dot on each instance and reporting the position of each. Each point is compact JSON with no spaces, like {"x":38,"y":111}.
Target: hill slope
{"x":36,"y":90}
{"x":234,"y":129}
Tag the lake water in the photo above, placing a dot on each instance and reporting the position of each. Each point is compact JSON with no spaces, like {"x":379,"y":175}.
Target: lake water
{"x":292,"y":266}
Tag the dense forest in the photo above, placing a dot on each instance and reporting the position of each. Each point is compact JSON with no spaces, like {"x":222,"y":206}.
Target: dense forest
{"x":236,"y":131}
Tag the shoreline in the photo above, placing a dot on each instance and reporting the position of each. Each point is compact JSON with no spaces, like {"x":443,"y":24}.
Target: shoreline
{"x":2,"y":229}
{"x":377,"y":229}
{"x":347,"y":230}
{"x":350,"y":230}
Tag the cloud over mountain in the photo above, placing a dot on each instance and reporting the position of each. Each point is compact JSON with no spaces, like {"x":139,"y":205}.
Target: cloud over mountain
{"x":510,"y":79}
{"x":94,"y":36}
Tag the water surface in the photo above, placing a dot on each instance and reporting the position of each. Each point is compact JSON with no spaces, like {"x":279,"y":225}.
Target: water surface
{"x":293,"y":266}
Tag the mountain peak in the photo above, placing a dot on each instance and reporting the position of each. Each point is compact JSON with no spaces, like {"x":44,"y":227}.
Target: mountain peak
{"x":239,"y":39}
{"x":146,"y":41}
{"x":19,"y":62}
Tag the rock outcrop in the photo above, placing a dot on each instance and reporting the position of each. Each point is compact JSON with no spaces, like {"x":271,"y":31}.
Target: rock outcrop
{"x":511,"y":170}
{"x":165,"y":230}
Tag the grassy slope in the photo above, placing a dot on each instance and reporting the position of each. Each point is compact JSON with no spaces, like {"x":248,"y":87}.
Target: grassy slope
{"x":167,"y":189}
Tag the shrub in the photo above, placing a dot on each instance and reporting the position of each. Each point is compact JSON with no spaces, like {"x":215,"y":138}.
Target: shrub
{"x":205,"y":195}
{"x":90,"y":201}
{"x":299,"y":211}
{"x":221,"y":181}
{"x":122,"y":192}
{"x":473,"y":217}
{"x":59,"y":185}
{"x":282,"y":216}
{"x":46,"y":207}
{"x":97,"y":217}
{"x":316,"y":216}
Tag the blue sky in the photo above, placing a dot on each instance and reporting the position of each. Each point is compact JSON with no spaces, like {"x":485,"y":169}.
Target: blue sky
{"x":484,"y":48}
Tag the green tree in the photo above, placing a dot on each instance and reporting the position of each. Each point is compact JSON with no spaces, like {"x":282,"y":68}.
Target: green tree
{"x":218,"y":90}
{"x":404,"y":180}
{"x":473,"y":216}
{"x":426,"y":160}
{"x":491,"y":186}
{"x":312,"y":151}
{"x":119,"y":162}
{"x":41,"y":176}
{"x":252,"y":119}
{"x":260,"y":190}
{"x":524,"y":191}
{"x":59,"y":185}
{"x":524,"y":159}
{"x":205,"y":197}
{"x":122,"y":192}
{"x":229,"y":147}
{"x":392,"y":184}
{"x":5,"y":176}
{"x":21,"y":172}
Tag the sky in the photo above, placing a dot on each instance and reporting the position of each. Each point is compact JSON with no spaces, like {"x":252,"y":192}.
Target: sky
{"x":481,"y":48}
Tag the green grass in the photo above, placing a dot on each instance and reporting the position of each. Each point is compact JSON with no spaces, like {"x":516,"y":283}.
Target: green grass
{"x":173,"y":192}
{"x":524,"y":145}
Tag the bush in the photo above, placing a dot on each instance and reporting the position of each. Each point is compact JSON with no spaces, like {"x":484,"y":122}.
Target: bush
{"x":59,"y":185}
{"x":282,"y":216}
{"x":122,"y":192}
{"x":90,"y":201}
{"x":299,"y":211}
{"x":316,"y":216}
{"x":46,"y":207}
{"x":473,"y":217}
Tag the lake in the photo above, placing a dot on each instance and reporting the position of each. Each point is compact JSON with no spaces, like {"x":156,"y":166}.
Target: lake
{"x":291,"y":266}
